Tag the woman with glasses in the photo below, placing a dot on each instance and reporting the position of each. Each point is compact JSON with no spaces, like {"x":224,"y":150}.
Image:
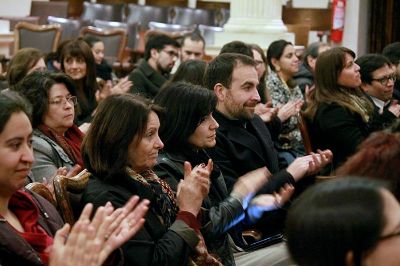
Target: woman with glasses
{"x":340,"y":115}
{"x":56,"y":139}
{"x":348,"y":221}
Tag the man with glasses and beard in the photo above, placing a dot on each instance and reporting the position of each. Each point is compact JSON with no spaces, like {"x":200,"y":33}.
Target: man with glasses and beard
{"x":161,"y":52}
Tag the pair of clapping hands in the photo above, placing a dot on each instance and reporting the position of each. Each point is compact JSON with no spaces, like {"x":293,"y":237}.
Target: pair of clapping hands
{"x":283,"y":111}
{"x":90,"y":242}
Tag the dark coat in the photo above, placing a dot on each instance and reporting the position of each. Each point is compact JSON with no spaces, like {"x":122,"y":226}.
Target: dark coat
{"x":146,"y":80}
{"x":224,"y":212}
{"x":240,"y":150}
{"x":304,"y":78}
{"x":14,"y":249}
{"x":336,"y":128}
{"x":154,"y":244}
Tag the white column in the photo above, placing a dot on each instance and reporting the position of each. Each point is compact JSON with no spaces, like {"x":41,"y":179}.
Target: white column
{"x":252,"y":21}
{"x":256,"y":16}
{"x":192,"y":3}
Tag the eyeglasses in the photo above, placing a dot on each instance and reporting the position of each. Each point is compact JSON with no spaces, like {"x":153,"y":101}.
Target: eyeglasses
{"x":171,"y":53}
{"x":62,"y":101}
{"x":384,"y":80}
{"x":395,"y":234}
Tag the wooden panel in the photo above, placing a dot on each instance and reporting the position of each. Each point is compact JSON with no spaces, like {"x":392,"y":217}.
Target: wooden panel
{"x":385,"y":24}
{"x":317,"y":19}
{"x":183,"y":3}
{"x":44,"y":9}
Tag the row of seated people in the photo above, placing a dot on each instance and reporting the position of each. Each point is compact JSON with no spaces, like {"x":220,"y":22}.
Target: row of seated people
{"x":234,"y":80}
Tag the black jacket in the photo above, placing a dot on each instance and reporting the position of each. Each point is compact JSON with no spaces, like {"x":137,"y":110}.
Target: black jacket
{"x":336,"y":128}
{"x":154,"y":244}
{"x":223,"y":211}
{"x":240,"y":150}
{"x":146,"y":80}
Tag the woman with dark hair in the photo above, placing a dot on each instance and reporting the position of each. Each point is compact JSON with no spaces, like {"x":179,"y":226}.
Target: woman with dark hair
{"x":77,"y":61}
{"x":348,"y":221}
{"x":286,"y":95}
{"x":29,"y":222}
{"x":377,"y":157}
{"x":188,"y":129}
{"x":25,"y":61}
{"x":340,"y":115}
{"x":191,"y":71}
{"x":120,"y":154}
{"x":56,"y":139}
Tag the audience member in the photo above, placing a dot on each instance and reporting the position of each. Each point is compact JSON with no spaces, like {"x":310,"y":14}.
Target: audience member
{"x":161,"y":52}
{"x":261,"y":67}
{"x":56,"y":141}
{"x":284,"y":92}
{"x":377,"y":81}
{"x":120,"y":154}
{"x":191,"y":71}
{"x":25,"y":61}
{"x":340,"y":114}
{"x":392,"y":51}
{"x":104,"y":74}
{"x":377,"y":157}
{"x":103,"y":69}
{"x":193,"y":45}
{"x":305,"y":77}
{"x":349,"y":221}
{"x":187,"y":129}
{"x":78,"y":63}
{"x":243,"y":141}
{"x":29,"y":222}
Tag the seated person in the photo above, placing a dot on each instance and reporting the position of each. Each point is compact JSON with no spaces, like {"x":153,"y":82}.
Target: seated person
{"x":377,"y":81}
{"x":56,"y":139}
{"x":377,"y":157}
{"x":392,"y":51}
{"x":191,"y":71}
{"x":25,"y":61}
{"x":104,"y":70}
{"x":348,"y":221}
{"x":188,"y":129}
{"x":160,"y":54}
{"x":340,"y":115}
{"x":120,"y":154}
{"x":29,"y":222}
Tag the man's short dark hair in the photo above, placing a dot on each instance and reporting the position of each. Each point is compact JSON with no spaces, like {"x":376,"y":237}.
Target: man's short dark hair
{"x":392,"y":51}
{"x":193,"y":36}
{"x":369,"y":63}
{"x":158,"y":42}
{"x":220,"y":69}
{"x":238,"y":47}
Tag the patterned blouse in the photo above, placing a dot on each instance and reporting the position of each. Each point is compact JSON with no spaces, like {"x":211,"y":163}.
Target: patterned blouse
{"x":281,"y":94}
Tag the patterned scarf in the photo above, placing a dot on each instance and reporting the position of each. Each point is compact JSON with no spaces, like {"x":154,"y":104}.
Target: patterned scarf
{"x":167,"y":209}
{"x":70,"y":142}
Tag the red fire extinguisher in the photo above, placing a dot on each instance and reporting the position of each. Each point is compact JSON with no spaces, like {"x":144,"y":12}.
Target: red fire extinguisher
{"x":338,"y":8}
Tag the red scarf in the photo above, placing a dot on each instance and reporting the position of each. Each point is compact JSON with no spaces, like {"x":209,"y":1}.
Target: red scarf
{"x":23,"y":206}
{"x":70,"y":142}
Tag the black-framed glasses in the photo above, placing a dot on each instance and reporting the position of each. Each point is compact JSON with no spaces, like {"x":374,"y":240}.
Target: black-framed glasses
{"x":384,"y":80}
{"x":394,"y":234}
{"x":62,"y":101}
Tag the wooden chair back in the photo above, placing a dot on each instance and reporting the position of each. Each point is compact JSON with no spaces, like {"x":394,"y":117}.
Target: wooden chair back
{"x":303,"y":127}
{"x":43,"y":191}
{"x":42,"y":37}
{"x":63,"y":186}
